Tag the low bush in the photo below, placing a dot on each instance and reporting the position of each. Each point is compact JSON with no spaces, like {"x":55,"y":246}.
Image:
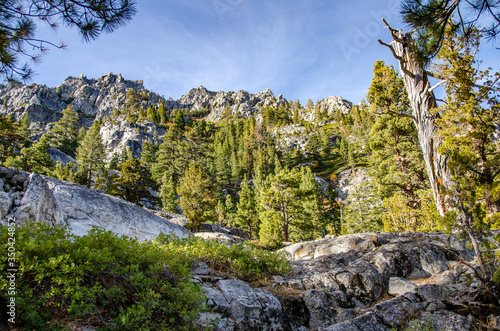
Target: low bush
{"x":242,"y":261}
{"x":99,"y":280}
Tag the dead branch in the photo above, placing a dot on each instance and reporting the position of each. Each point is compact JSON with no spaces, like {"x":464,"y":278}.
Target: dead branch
{"x":437,"y":85}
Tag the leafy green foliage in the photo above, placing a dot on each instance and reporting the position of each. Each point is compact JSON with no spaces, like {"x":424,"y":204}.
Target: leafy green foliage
{"x":468,"y":123}
{"x":100,"y":279}
{"x":246,"y":212}
{"x":396,"y":159}
{"x":243,"y":261}
{"x":168,"y":195}
{"x":364,"y":212}
{"x":289,"y":201}
{"x":431,"y":19}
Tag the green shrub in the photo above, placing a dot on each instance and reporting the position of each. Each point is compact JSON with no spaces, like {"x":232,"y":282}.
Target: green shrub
{"x":242,"y":260}
{"x":100,"y":280}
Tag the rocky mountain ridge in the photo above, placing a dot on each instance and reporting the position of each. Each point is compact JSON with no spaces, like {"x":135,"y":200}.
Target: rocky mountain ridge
{"x":96,"y":98}
{"x":99,"y":98}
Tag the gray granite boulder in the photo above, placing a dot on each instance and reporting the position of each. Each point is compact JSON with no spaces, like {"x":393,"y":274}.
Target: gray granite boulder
{"x":399,"y":286}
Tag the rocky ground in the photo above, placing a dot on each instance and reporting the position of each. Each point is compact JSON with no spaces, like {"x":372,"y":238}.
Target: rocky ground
{"x":370,"y":281}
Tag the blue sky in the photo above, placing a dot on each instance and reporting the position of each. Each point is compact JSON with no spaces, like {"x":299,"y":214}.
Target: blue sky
{"x":299,"y":48}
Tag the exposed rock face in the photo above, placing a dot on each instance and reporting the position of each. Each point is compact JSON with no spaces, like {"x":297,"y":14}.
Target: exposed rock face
{"x":92,"y":98}
{"x":350,"y":179}
{"x":58,"y":156}
{"x":119,"y":134}
{"x":339,"y":282}
{"x":41,"y":102}
{"x":292,"y":136}
{"x":330,"y":105}
{"x":223,"y":237}
{"x":39,"y":198}
{"x":207,"y":227}
{"x":240,"y":104}
{"x":240,"y":307}
{"x":295,"y":136}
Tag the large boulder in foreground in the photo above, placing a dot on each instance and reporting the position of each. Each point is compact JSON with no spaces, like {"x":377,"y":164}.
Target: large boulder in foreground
{"x":46,"y":199}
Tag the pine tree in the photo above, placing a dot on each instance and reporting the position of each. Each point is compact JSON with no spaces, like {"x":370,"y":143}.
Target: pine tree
{"x":162,"y":113}
{"x":24,"y":125}
{"x":196,"y":199}
{"x":90,"y":155}
{"x":315,"y":226}
{"x":284,"y":196}
{"x":313,"y":146}
{"x":148,"y":155}
{"x":331,"y":212}
{"x":176,"y":130}
{"x":168,"y":194}
{"x":364,"y":212}
{"x":172,"y":156}
{"x":64,"y":133}
{"x":344,"y":150}
{"x":229,"y":209}
{"x":325,"y":142}
{"x":469,"y":125}
{"x":296,"y":118}
{"x":351,"y":155}
{"x":222,"y":160}
{"x":66,"y":173}
{"x":396,"y":160}
{"x":246,"y":209}
{"x":152,"y":115}
{"x":11,"y":137}
{"x":33,"y":159}
{"x":134,"y":183}
{"x":310,"y":104}
{"x":81,"y":134}
{"x":221,"y":212}
{"x":235,"y":169}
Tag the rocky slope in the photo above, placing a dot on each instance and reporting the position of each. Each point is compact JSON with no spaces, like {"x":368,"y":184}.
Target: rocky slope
{"x":29,"y":196}
{"x":372,"y":281}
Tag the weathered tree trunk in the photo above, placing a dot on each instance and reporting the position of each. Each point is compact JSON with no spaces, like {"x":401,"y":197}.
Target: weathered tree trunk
{"x":422,"y":100}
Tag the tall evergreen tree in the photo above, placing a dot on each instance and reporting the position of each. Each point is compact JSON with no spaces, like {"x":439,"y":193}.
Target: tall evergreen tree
{"x":364,"y":212}
{"x":64,"y":133}
{"x":168,"y":194}
{"x":246,"y":209}
{"x":396,"y":160}
{"x":283,"y":200}
{"x":11,"y":137}
{"x":134,"y":183}
{"x":196,"y":200}
{"x":90,"y":155}
{"x":148,"y":155}
{"x":469,"y":125}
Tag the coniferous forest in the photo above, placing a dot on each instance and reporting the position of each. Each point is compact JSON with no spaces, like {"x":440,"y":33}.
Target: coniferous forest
{"x":403,"y":160}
